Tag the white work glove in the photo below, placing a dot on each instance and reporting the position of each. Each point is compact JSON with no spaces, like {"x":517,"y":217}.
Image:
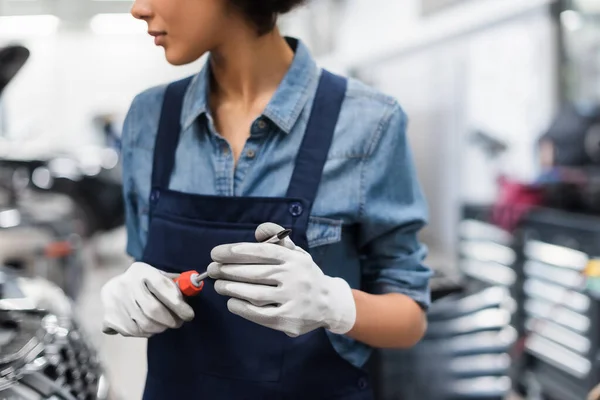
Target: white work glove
{"x":279,"y":286}
{"x":142,"y":302}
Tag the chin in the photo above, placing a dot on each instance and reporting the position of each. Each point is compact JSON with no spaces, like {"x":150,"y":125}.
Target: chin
{"x":175,"y":59}
{"x":178,"y":58}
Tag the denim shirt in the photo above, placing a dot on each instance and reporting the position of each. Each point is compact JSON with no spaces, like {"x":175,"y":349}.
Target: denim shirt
{"x":369,"y":207}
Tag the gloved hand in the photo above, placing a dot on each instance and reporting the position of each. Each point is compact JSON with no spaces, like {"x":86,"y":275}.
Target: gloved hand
{"x":142,"y":302}
{"x":279,"y":286}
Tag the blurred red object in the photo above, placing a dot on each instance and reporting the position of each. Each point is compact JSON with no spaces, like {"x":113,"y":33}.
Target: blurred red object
{"x":515,"y":199}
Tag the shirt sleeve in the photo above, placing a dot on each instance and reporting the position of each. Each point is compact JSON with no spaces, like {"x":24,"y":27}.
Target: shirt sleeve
{"x":393,"y":211}
{"x":132,"y":218}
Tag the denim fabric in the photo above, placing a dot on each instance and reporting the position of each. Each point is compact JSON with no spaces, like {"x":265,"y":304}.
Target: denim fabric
{"x":369,"y":208}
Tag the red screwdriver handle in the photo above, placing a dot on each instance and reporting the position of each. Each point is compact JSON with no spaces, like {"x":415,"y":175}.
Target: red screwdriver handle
{"x":186,"y":284}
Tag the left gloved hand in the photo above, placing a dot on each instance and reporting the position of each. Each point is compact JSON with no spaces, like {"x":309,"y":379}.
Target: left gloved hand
{"x":279,"y":286}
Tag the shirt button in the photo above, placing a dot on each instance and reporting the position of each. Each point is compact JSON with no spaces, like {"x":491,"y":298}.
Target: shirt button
{"x":225,"y":150}
{"x":363,"y":383}
{"x":250,"y":153}
{"x":296,"y":209}
{"x":262,"y":124}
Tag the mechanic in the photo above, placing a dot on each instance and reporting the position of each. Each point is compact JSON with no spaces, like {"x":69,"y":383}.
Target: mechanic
{"x":259,"y":140}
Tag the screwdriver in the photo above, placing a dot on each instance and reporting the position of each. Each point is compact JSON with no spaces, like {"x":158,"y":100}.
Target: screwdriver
{"x":192,"y":282}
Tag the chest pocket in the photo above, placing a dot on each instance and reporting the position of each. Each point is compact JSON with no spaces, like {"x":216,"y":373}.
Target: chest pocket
{"x":321,"y":233}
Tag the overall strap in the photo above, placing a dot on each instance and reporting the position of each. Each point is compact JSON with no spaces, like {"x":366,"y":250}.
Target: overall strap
{"x":318,"y":136}
{"x":169,"y":130}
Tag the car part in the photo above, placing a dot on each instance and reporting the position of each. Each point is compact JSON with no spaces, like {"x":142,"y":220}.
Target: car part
{"x":43,"y":353}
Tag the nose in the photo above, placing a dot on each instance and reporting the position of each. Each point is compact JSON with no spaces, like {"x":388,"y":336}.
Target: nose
{"x":141,"y":10}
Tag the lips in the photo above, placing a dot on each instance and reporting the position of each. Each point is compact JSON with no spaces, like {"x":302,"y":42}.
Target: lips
{"x":159,"y":37}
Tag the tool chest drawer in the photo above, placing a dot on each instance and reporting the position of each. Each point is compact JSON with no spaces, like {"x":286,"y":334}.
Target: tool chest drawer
{"x":560,"y":315}
{"x":469,"y":338}
{"x":486,"y":253}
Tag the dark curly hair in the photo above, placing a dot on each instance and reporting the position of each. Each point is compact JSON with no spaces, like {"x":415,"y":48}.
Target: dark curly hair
{"x":263,"y":13}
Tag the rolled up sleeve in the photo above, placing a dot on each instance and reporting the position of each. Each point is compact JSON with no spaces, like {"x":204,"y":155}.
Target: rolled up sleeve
{"x":393,"y":211}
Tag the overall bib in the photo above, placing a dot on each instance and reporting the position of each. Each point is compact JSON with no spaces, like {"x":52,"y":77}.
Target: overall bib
{"x":219,"y":355}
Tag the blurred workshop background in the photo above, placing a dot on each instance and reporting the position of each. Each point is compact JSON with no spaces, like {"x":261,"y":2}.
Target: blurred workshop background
{"x":503,"y":98}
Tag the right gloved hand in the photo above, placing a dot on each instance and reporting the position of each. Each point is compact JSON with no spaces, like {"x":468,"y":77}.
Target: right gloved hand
{"x":142,"y":302}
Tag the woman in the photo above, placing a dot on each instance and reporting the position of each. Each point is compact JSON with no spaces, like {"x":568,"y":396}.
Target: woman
{"x":263,"y":138}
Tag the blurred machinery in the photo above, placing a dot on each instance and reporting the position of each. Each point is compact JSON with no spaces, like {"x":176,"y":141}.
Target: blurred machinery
{"x":48,"y":204}
{"x":570,"y":149}
{"x":89,"y":179}
{"x":43,"y":354}
{"x":570,"y":157}
{"x":39,"y":236}
{"x":51,"y":202}
{"x":90,"y":182}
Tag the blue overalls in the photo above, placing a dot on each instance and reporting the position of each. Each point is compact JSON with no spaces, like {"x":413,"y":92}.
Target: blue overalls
{"x":219,"y":355}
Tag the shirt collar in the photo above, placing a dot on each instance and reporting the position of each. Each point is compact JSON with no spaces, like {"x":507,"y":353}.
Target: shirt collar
{"x":286,"y":104}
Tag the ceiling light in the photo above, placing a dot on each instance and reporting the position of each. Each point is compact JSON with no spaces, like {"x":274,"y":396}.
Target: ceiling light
{"x":571,"y":20}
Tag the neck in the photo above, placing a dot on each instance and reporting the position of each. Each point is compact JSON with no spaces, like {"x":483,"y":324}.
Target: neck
{"x":247,"y":68}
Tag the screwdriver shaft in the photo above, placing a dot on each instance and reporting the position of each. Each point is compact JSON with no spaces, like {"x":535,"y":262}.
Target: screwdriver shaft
{"x":197,"y":279}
